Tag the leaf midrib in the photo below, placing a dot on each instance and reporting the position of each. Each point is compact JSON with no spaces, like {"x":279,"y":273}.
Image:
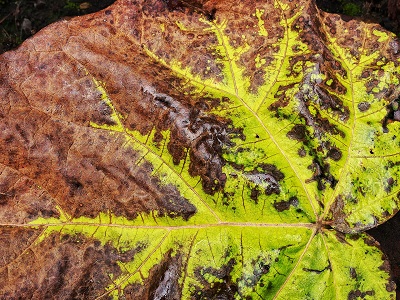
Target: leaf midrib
{"x":176,"y":227}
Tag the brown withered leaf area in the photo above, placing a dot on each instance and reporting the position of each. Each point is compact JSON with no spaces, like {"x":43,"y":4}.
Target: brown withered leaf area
{"x":49,"y":155}
{"x":55,"y":163}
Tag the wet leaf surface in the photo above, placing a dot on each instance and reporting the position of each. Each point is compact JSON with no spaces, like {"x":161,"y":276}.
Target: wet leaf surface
{"x":189,"y":150}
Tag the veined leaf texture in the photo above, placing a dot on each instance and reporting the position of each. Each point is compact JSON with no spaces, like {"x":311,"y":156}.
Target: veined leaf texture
{"x":199,"y":150}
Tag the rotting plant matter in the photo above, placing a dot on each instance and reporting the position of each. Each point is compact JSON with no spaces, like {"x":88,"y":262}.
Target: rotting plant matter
{"x":183,"y":150}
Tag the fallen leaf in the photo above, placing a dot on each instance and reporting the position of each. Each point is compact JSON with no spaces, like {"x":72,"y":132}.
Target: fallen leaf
{"x":199,"y":150}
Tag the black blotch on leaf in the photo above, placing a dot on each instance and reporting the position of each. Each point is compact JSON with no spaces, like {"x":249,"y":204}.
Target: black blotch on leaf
{"x":222,"y":289}
{"x":211,"y":15}
{"x":177,"y":205}
{"x":335,"y":154}
{"x":285,"y":205}
{"x":298,"y":132}
{"x":163,"y":100}
{"x":255,"y":192}
{"x":363,"y":106}
{"x":392,"y":115}
{"x":74,"y":185}
{"x":4,"y":197}
{"x":268,"y":176}
{"x":260,"y":267}
{"x":322,"y":175}
{"x":357,"y":294}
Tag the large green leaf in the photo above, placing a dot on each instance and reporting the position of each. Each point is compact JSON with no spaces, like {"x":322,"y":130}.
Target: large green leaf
{"x":199,"y":150}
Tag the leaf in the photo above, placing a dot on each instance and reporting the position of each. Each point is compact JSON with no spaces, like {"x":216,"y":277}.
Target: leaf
{"x":199,"y":150}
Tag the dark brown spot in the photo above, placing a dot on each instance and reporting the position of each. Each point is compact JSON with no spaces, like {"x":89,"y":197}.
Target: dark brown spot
{"x":322,"y":174}
{"x":285,"y":205}
{"x":211,"y":14}
{"x":22,"y":133}
{"x":223,"y":287}
{"x":3,"y":198}
{"x":158,"y":137}
{"x":368,"y":240}
{"x":391,"y":286}
{"x":255,"y":192}
{"x":353,"y":273}
{"x":177,"y":150}
{"x":338,"y":219}
{"x":332,"y":102}
{"x":298,"y":132}
{"x":102,"y":115}
{"x":302,"y":152}
{"x":75,"y":185}
{"x":365,"y":74}
{"x":267,"y":175}
{"x":335,"y":154}
{"x":370,"y":293}
{"x":355,"y":294}
{"x":9,"y":139}
{"x":363,"y":106}
{"x":389,"y":185}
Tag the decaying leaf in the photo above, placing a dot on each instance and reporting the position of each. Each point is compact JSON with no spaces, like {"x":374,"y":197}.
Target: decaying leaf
{"x":199,"y":150}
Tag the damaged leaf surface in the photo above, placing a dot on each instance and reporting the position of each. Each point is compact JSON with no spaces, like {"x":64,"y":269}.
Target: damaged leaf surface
{"x":199,"y":149}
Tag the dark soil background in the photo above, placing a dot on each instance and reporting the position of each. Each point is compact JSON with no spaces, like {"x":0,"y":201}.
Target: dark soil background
{"x":21,"y":19}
